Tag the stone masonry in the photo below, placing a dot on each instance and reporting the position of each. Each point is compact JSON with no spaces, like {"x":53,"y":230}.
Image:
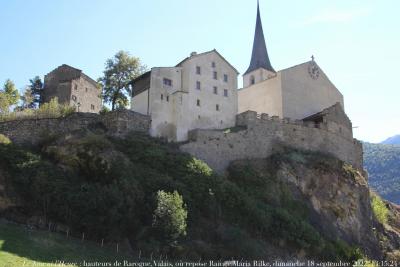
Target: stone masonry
{"x":259,"y":136}
{"x":116,"y":123}
{"x":72,"y":87}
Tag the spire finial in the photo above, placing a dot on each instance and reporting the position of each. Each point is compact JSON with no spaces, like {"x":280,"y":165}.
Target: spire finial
{"x":259,"y":56}
{"x":312,"y":57}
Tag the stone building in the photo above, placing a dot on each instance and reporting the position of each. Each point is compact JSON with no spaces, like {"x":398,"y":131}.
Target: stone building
{"x":72,"y":87}
{"x":201,"y":93}
{"x":198,"y":93}
{"x":296,"y":92}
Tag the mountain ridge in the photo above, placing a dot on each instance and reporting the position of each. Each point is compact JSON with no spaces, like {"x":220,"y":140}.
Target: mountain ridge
{"x":393,"y":140}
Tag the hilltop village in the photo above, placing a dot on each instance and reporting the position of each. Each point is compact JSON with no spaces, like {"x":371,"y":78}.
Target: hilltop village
{"x":195,"y":169}
{"x":197,"y":101}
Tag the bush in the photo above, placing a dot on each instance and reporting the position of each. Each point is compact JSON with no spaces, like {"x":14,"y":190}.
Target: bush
{"x":51,"y":109}
{"x":379,"y":208}
{"x":4,"y":140}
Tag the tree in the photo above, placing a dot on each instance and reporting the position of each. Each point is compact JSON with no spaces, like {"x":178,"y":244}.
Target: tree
{"x":9,"y":96}
{"x":119,"y":72}
{"x":27,"y":99}
{"x":170,"y":215}
{"x":4,"y":107}
{"x":36,"y":87}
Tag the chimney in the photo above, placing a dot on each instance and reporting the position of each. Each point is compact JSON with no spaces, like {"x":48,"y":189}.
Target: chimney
{"x":193,"y":54}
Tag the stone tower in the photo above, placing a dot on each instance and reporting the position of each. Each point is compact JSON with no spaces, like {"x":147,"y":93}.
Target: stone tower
{"x":72,"y":87}
{"x":260,"y":67}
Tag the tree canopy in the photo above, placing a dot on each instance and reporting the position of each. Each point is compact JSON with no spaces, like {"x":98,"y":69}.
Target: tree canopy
{"x":27,"y":99}
{"x":382,"y":163}
{"x":118,"y":74}
{"x":9,"y":96}
{"x":170,"y":215}
{"x":36,"y":88}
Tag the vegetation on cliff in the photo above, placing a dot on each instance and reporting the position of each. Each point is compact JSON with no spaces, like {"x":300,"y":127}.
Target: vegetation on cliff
{"x":382,"y":163}
{"x":110,"y":189}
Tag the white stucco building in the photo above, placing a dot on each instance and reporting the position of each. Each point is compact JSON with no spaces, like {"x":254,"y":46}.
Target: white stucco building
{"x":198,"y":93}
{"x":296,"y":92}
{"x":201,"y":91}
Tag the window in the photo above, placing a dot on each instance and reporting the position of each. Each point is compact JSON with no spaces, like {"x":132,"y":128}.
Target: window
{"x":167,"y":98}
{"x":226,"y":78}
{"x":215,"y":75}
{"x":252,"y":80}
{"x":86,"y":89}
{"x":215,"y":90}
{"x":198,"y":85}
{"x":213,"y":64}
{"x":76,"y":87}
{"x":198,"y":70}
{"x":198,"y":102}
{"x":162,"y":96}
{"x":225,"y":92}
{"x":167,"y":82}
{"x":217,"y":107}
{"x":91,"y":106}
{"x":74,"y":98}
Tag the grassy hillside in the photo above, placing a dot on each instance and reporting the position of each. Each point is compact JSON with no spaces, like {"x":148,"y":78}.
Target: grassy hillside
{"x":107,"y":188}
{"x":383,"y":165}
{"x":22,"y":247}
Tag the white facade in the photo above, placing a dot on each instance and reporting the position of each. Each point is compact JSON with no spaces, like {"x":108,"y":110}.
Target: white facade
{"x":199,"y":93}
{"x":295,"y":93}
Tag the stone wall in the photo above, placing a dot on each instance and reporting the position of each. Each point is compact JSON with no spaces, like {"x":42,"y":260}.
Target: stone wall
{"x":116,"y":123}
{"x":71,"y":86}
{"x":260,"y":136}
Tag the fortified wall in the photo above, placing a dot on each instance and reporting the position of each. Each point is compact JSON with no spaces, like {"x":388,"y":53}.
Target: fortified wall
{"x":258,"y":136}
{"x":115,"y":123}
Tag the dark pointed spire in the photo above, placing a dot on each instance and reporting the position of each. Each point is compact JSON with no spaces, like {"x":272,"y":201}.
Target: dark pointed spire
{"x":259,"y":56}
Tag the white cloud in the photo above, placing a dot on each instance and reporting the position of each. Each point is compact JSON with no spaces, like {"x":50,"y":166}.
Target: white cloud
{"x":335,"y":16}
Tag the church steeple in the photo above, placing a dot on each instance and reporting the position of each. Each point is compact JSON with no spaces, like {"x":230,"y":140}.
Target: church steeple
{"x":259,"y":56}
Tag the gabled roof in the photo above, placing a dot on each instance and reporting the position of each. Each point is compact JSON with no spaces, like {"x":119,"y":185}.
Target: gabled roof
{"x":205,"y":53}
{"x":259,"y":55}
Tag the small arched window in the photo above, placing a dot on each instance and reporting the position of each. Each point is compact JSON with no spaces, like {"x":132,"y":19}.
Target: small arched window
{"x":252,"y":80}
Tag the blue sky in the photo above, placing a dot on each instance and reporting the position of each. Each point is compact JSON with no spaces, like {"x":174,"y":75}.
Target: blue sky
{"x":356,"y":43}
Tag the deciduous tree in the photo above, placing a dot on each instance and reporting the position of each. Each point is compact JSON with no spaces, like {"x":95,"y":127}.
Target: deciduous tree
{"x":170,"y":215}
{"x":9,"y":96}
{"x":27,"y":99}
{"x":119,"y":72}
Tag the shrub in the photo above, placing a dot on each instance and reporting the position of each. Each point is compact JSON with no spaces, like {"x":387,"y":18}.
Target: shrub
{"x":170,"y":215}
{"x":4,"y":140}
{"x":51,"y":109}
{"x":379,"y":208}
{"x":198,"y":166}
{"x":104,"y":110}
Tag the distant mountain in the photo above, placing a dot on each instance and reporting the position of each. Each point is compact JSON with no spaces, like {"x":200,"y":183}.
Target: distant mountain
{"x":394,"y":140}
{"x":382,"y":162}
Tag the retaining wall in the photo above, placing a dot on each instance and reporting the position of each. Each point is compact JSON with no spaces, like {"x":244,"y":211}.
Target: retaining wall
{"x":116,"y":123}
{"x":259,"y":137}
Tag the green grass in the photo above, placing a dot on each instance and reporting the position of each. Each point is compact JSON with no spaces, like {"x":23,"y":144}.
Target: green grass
{"x":22,"y":247}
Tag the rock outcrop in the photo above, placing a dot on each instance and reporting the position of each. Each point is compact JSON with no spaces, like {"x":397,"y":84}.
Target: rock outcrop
{"x":337,"y":196}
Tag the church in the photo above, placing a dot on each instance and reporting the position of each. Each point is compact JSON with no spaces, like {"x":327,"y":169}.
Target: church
{"x":201,"y":92}
{"x":296,"y":92}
